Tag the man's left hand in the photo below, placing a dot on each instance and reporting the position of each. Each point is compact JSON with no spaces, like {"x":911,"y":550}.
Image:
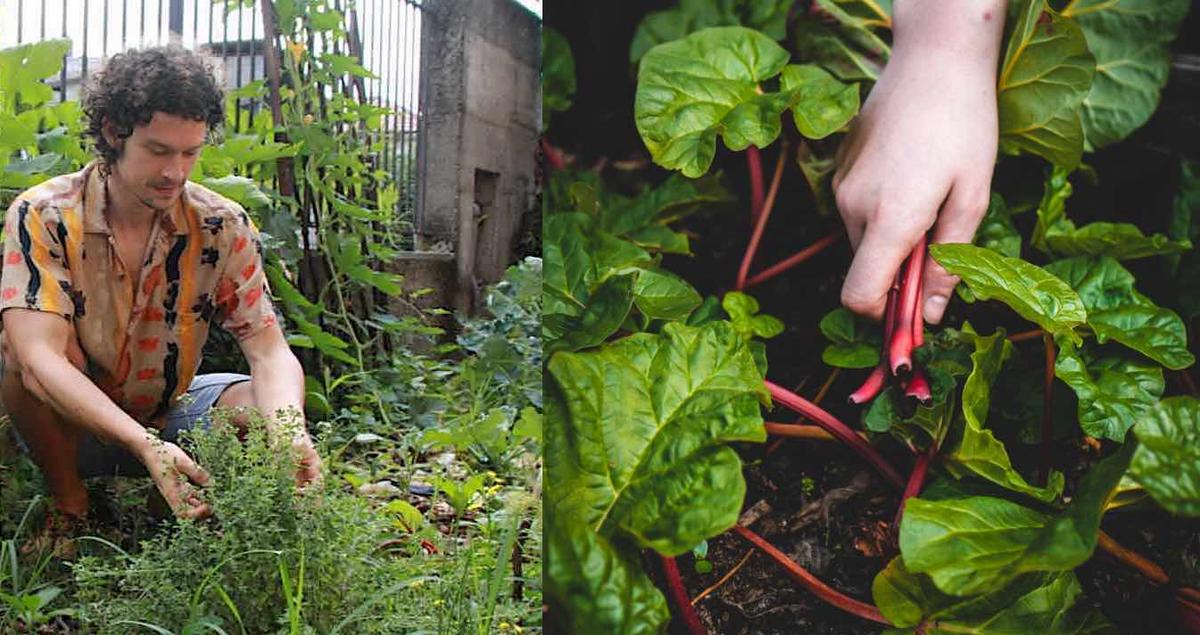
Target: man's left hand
{"x":308,"y":463}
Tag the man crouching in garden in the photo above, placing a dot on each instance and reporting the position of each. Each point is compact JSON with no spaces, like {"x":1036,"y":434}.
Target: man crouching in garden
{"x":112,"y":277}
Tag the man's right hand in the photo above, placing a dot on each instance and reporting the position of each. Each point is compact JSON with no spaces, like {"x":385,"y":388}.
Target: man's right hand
{"x":178,"y":479}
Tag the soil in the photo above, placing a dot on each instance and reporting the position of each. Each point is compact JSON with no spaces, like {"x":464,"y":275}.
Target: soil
{"x":846,"y":541}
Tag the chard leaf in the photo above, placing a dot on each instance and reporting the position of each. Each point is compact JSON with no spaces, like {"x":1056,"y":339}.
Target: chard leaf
{"x":607,"y":306}
{"x":674,"y":198}
{"x":596,"y":588}
{"x":841,"y":37}
{"x":1117,"y":312}
{"x":997,"y":232}
{"x":1046,"y":73}
{"x":743,"y":313}
{"x":1167,"y":461}
{"x":636,"y":446}
{"x":1129,"y":41}
{"x":927,"y":425}
{"x":1033,"y":293}
{"x":558,"y":74}
{"x":693,"y":15}
{"x":851,"y":347}
{"x":824,"y":104}
{"x":979,"y":544}
{"x":693,"y":89}
{"x":1034,"y":603}
{"x":1113,"y":392}
{"x":663,"y":295}
{"x":972,"y":448}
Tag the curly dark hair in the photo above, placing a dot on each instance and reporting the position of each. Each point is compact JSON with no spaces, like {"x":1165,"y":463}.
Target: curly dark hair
{"x":136,"y":84}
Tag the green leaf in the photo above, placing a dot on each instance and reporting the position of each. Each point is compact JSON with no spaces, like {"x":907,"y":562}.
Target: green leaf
{"x":743,"y":313}
{"x":1046,"y":73}
{"x":636,"y":446}
{"x":658,"y":27}
{"x":1167,"y":461}
{"x":825,"y":105}
{"x":1129,"y":41}
{"x":1118,"y":312}
{"x":1113,"y":392}
{"x":239,"y":189}
{"x":690,"y":91}
{"x":973,"y":449}
{"x":663,"y":295}
{"x":841,"y":37}
{"x":325,"y":20}
{"x":607,"y":306}
{"x":596,"y":588}
{"x":1033,"y":293}
{"x":346,"y":65}
{"x":928,"y":424}
{"x":22,"y":69}
{"x":850,"y":347}
{"x":1036,"y":603}
{"x":558,"y":74}
{"x":675,"y":198}
{"x":997,"y":232}
{"x":978,"y":544}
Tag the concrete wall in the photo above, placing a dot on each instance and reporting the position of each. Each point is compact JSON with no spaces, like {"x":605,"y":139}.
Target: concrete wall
{"x":480,"y":114}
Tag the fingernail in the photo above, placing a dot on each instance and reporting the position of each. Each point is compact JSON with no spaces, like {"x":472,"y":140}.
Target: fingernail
{"x":935,"y":305}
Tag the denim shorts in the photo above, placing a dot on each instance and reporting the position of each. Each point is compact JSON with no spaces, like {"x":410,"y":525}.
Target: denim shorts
{"x":191,"y":409}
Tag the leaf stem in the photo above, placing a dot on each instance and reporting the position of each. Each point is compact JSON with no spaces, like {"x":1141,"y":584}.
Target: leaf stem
{"x":725,"y":578}
{"x":916,"y":480}
{"x":679,"y":595}
{"x":553,"y":156}
{"x":794,"y":259}
{"x":838,"y":429}
{"x":1047,"y":454}
{"x":761,"y":222}
{"x":1143,"y":565}
{"x":1025,"y":336}
{"x":901,"y":343}
{"x":754,"y":167}
{"x":810,"y":582}
{"x":798,"y":431}
{"x":816,"y":400}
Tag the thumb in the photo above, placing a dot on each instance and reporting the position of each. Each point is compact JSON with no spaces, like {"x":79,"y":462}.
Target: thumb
{"x":191,"y":469}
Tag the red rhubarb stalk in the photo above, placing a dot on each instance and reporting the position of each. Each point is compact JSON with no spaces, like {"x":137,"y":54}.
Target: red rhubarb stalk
{"x":917,"y":387}
{"x":916,"y":481}
{"x":679,"y":595}
{"x":901,"y":347}
{"x":759,"y":226}
{"x":838,"y":429}
{"x":874,"y":383}
{"x":918,"y":319}
{"x":754,"y":166}
{"x":1047,"y":411}
{"x":810,"y":582}
{"x":553,"y":156}
{"x":794,"y":259}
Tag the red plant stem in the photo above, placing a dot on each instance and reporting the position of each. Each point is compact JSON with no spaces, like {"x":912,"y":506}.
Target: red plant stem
{"x":917,"y":386}
{"x":799,"y":431}
{"x":754,"y":167}
{"x":1144,"y":566}
{"x":874,"y":383}
{"x":916,"y":480}
{"x":794,"y":259}
{"x":679,"y":595}
{"x":810,"y":582}
{"x":1025,"y":335}
{"x":900,"y":351}
{"x":838,"y":429}
{"x":871,"y":387}
{"x":759,"y":226}
{"x":1047,"y":414}
{"x":553,"y":156}
{"x":918,"y":327}
{"x":816,"y":400}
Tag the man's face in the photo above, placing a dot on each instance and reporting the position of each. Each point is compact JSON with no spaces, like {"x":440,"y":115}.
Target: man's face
{"x":157,"y":158}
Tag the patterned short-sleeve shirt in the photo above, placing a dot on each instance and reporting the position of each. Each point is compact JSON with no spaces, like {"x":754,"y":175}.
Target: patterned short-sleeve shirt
{"x":142,"y":338}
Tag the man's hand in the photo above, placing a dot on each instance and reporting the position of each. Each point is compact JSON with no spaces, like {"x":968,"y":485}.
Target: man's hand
{"x":308,"y":463}
{"x":178,"y":478}
{"x":921,"y":152}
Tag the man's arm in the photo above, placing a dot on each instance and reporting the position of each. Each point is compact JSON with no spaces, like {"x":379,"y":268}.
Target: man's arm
{"x":38,"y":340}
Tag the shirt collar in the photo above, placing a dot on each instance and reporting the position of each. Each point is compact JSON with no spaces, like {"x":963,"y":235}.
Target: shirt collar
{"x":96,"y":200}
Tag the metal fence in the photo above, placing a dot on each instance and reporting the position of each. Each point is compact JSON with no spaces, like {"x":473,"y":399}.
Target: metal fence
{"x":385,"y":36}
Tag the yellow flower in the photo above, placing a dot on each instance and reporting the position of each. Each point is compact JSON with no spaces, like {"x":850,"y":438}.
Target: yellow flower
{"x":296,"y":48}
{"x":308,"y":119}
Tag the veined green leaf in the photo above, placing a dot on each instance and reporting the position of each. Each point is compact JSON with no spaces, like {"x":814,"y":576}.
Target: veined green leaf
{"x":1129,"y":41}
{"x":636,"y":445}
{"x":558,"y":74}
{"x":708,"y":84}
{"x":1046,"y":73}
{"x":1034,"y":603}
{"x":825,"y":105}
{"x":663,"y":295}
{"x":850,"y":346}
{"x":1167,"y":461}
{"x":1113,"y":392}
{"x":690,"y":16}
{"x":972,"y":448}
{"x":979,"y":544}
{"x":1033,"y":293}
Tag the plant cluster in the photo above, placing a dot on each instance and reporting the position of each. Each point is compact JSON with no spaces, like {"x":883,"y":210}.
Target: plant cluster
{"x":650,"y":385}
